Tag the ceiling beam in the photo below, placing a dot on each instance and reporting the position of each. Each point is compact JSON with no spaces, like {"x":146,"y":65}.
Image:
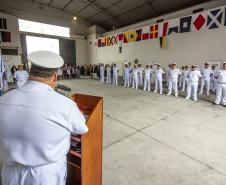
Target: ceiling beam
{"x":104,"y":10}
{"x":50,"y":2}
{"x":151,"y":4}
{"x":67,"y":5}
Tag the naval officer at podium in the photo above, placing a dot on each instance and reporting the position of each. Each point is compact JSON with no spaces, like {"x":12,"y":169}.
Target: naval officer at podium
{"x":36,"y":125}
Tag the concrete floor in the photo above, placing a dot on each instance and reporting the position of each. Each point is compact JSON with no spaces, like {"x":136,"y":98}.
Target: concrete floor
{"x":154,"y":139}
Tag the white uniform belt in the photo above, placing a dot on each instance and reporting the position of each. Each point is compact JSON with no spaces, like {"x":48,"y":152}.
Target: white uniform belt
{"x":19,"y":165}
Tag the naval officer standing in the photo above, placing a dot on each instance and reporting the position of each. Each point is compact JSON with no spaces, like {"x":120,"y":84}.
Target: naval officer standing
{"x":36,"y":125}
{"x":21,"y":76}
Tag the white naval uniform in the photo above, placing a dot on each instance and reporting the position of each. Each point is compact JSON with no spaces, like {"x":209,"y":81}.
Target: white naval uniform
{"x":158,"y":80}
{"x":147,"y":79}
{"x":213,"y":81}
{"x":220,"y":77}
{"x":173,"y":79}
{"x":205,"y":81}
{"x":135,"y":78}
{"x":126,"y":77}
{"x":185,"y":79}
{"x":167,"y":76}
{"x":181,"y":77}
{"x":115,"y":75}
{"x":35,"y":131}
{"x":108,"y":75}
{"x":102,"y":73}
{"x":140,"y":76}
{"x":21,"y":77}
{"x":193,"y":82}
{"x":130,"y":75}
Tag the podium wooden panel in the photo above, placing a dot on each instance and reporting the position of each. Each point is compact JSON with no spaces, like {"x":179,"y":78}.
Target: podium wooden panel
{"x":85,"y":168}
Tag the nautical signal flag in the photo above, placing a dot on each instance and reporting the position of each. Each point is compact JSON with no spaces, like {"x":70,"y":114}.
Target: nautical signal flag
{"x":139,"y":34}
{"x":173,"y":26}
{"x":120,"y":37}
{"x":214,"y":18}
{"x":126,"y":37}
{"x":199,"y":22}
{"x":103,"y":42}
{"x":99,"y":43}
{"x":185,"y":24}
{"x":162,"y":42}
{"x":146,"y":33}
{"x":154,"y":31}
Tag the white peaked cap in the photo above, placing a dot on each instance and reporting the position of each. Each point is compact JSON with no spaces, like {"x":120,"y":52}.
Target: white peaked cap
{"x":46,"y":59}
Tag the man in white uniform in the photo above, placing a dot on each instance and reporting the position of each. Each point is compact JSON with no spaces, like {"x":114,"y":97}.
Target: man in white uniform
{"x":115,"y":75}
{"x":167,"y":74}
{"x":36,"y":125}
{"x":102,"y":73}
{"x":126,"y":76}
{"x":220,"y":77}
{"x":212,"y":79}
{"x":173,"y":79}
{"x":205,"y":81}
{"x":158,"y":79}
{"x":130,"y":73}
{"x":140,"y":75}
{"x":193,"y":82}
{"x":135,"y":77}
{"x":108,"y":74}
{"x":181,"y":76}
{"x":21,"y":76}
{"x":185,"y":78}
{"x":147,"y":78}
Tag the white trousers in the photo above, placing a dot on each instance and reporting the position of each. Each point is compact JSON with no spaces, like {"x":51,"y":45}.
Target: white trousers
{"x":205,"y":82}
{"x":192,"y":90}
{"x":221,"y":94}
{"x":101,"y":77}
{"x":147,"y":83}
{"x":180,"y":80}
{"x":52,"y":174}
{"x":141,"y":79}
{"x":20,"y":83}
{"x":173,"y":86}
{"x":158,"y":85}
{"x":115,"y":79}
{"x":185,"y":84}
{"x":135,"y":82}
{"x":108,"y":78}
{"x":213,"y":85}
{"x":130,"y":78}
{"x":126,"y":80}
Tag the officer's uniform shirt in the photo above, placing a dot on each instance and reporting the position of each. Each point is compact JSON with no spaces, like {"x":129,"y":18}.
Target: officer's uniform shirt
{"x":126,"y":71}
{"x":193,"y":76}
{"x":36,"y":125}
{"x":21,"y":75}
{"x":135,"y":73}
{"x":147,"y":73}
{"x":185,"y":73}
{"x":115,"y":70}
{"x":220,"y":77}
{"x":159,"y":73}
{"x":206,"y":73}
{"x":174,"y":73}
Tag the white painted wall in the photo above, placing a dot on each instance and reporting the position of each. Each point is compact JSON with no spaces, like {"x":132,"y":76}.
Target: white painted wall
{"x":81,"y":52}
{"x":187,"y":48}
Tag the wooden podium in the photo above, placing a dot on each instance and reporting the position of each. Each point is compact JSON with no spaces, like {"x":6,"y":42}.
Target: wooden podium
{"x":85,"y":165}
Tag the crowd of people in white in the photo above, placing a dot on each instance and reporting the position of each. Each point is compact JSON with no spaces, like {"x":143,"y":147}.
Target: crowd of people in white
{"x":187,"y":79}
